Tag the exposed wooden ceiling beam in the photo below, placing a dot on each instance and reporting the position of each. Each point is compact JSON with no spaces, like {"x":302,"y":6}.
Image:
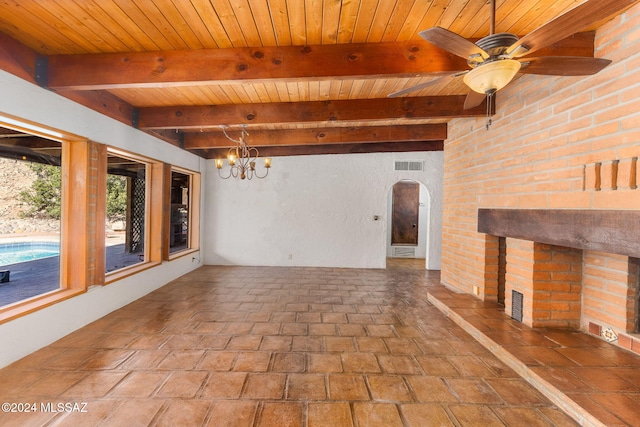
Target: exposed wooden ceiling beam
{"x":105,"y":103}
{"x":209,"y":66}
{"x":206,"y":66}
{"x":323,"y":136}
{"x":305,"y":150}
{"x":172,"y":136}
{"x":26,"y":63}
{"x":203,"y":117}
{"x":87,"y":78}
{"x":27,"y":141}
{"x":17,"y":59}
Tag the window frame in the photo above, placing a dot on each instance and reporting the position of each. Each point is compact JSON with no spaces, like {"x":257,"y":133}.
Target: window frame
{"x":82,"y":248}
{"x":153,"y":213}
{"x":193,"y":232}
{"x":75,"y":169}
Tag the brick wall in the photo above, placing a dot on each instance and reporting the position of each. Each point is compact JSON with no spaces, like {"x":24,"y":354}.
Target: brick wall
{"x":558,"y":287}
{"x":550,"y":279}
{"x":519,"y":276}
{"x":609,"y":290}
{"x":542,"y":151}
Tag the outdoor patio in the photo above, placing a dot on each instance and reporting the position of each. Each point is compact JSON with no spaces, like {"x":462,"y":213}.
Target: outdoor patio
{"x":36,"y":277}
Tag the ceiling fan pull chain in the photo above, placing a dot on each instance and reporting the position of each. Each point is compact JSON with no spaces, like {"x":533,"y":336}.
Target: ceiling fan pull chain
{"x":488,"y":121}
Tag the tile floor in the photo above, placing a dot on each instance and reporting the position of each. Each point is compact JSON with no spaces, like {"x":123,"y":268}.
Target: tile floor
{"x":597,"y":382}
{"x":253,"y":346}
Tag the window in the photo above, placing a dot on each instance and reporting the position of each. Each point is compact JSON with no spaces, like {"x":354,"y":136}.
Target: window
{"x":179,"y":220}
{"x":30,"y":207}
{"x":98,"y":214}
{"x":126,"y":211}
{"x":183,"y":218}
{"x":45,"y":161}
{"x":134,"y":202}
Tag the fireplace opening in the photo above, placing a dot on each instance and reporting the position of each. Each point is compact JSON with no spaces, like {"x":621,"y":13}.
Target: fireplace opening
{"x":634,"y":267}
{"x":502,"y":268}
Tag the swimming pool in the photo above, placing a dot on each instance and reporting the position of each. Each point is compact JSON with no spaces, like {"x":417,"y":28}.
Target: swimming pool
{"x":12,"y":253}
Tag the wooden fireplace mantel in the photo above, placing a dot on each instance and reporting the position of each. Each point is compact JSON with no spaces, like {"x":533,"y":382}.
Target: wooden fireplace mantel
{"x":611,"y":231}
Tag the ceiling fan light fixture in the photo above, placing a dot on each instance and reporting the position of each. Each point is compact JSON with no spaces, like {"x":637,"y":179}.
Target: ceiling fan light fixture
{"x":492,"y":76}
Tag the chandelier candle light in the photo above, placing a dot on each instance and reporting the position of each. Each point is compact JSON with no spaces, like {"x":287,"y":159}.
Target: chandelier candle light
{"x":242,"y":159}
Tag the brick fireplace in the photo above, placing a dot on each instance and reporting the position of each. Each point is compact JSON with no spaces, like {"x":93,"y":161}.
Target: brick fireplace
{"x":572,"y":268}
{"x":555,"y":144}
{"x":550,"y":280}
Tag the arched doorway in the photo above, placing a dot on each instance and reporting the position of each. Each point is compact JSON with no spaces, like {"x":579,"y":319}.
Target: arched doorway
{"x":408,"y":228}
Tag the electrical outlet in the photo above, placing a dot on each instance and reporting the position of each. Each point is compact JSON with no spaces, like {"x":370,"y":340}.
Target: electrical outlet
{"x":476,"y":291}
{"x":290,"y":256}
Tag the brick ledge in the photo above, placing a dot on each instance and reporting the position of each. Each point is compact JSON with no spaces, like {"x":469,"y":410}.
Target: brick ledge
{"x":560,"y":399}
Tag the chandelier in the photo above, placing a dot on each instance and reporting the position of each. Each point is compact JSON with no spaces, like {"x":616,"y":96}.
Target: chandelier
{"x":242,"y":159}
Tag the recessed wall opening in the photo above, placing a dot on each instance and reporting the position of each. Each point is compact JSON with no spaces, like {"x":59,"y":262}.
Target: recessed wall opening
{"x":502,"y":268}
{"x":634,"y":273}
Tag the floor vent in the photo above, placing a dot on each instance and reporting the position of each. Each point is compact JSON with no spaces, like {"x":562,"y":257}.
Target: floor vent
{"x":408,"y":165}
{"x":516,"y":305}
{"x":404,"y":252}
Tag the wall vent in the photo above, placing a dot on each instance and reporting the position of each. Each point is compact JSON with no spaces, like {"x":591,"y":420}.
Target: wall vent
{"x":408,"y":165}
{"x":404,"y":252}
{"x":516,"y":305}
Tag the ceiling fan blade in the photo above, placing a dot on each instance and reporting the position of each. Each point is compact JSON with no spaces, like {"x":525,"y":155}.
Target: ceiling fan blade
{"x":563,"y":65}
{"x":473,"y":99}
{"x":452,"y":42}
{"x":423,"y":85}
{"x":567,"y":24}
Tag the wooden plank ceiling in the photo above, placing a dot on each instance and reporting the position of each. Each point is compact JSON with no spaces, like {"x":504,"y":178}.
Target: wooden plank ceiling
{"x":304,"y":76}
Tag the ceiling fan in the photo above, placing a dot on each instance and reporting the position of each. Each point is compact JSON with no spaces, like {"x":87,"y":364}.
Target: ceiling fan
{"x":496,"y":59}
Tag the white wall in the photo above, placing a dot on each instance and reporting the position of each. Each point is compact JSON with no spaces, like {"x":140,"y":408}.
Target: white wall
{"x":314,"y":211}
{"x":26,"y":334}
